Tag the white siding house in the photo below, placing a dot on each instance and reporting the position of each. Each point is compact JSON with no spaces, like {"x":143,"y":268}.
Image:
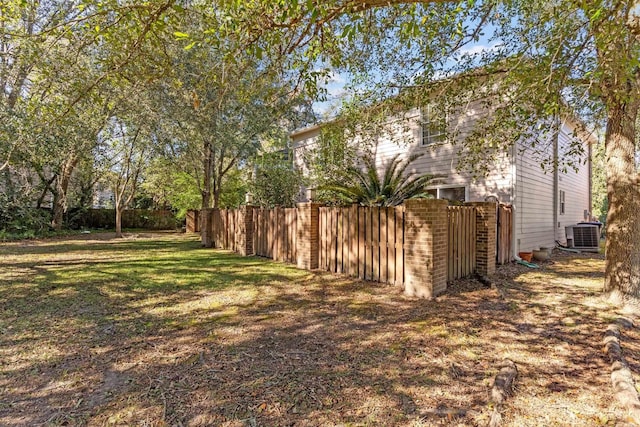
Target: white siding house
{"x":544,"y":201}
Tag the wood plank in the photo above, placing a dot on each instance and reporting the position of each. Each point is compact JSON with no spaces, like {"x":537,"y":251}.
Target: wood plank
{"x":322,"y":236}
{"x":400,"y":245}
{"x":375,"y":243}
{"x":332,"y":240}
{"x":294,"y":233}
{"x":261,"y":232}
{"x":384,"y":244}
{"x":450,"y":257}
{"x":326,"y":239}
{"x":459,"y":242}
{"x":454,"y":213}
{"x":450,"y":246}
{"x":338,"y":240}
{"x":367,"y":246}
{"x":361,"y":240}
{"x":353,"y":240}
{"x":280,"y":233}
{"x":345,"y":240}
{"x":286,"y":249}
{"x":272,"y":233}
{"x":391,"y":246}
{"x":464,"y":238}
{"x":471,"y":239}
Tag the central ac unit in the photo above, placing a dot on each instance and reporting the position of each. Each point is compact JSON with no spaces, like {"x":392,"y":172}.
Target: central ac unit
{"x":585,"y":237}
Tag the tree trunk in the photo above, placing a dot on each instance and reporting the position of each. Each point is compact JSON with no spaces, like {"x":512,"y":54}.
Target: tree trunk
{"x":216,"y":196}
{"x":207,"y":166}
{"x":60,"y":195}
{"x":622,"y":276}
{"x":118,"y":221}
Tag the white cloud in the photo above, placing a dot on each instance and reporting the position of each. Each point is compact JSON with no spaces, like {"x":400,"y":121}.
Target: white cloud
{"x":479,"y":49}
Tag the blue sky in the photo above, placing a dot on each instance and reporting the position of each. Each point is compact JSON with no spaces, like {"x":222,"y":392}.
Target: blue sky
{"x":336,"y":83}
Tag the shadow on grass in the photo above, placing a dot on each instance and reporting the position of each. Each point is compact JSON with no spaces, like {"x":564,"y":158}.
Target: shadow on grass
{"x":164,"y":331}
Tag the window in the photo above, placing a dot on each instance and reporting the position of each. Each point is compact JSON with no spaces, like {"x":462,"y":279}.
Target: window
{"x":433,"y":127}
{"x":562,"y":202}
{"x":454,"y":194}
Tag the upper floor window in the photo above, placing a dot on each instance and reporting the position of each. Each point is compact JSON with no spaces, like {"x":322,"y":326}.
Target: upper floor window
{"x":433,"y":126}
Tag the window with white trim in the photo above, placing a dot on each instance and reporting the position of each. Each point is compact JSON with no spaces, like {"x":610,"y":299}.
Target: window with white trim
{"x":454,"y":194}
{"x":562,"y":202}
{"x":433,"y":126}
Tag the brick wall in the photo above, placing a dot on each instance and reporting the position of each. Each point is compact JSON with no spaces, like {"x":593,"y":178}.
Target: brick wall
{"x":486,"y":237}
{"x":246,"y":231}
{"x":425,"y":243}
{"x":308,"y":236}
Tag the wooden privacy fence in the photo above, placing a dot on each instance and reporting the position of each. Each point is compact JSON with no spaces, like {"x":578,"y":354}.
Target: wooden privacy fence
{"x":275,"y":232}
{"x":226,"y":230}
{"x":364,"y":242}
{"x":193,"y":221}
{"x":421,"y":245}
{"x":504,"y":240}
{"x":462,"y":238}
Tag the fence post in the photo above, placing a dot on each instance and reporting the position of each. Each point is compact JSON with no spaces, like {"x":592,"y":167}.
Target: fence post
{"x":308,"y":235}
{"x":246,"y":231}
{"x":425,"y":247}
{"x":486,"y":229}
{"x":206,"y":228}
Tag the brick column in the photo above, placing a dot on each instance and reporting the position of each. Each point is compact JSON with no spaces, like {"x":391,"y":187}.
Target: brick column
{"x":206,"y":227}
{"x":486,"y":230}
{"x":246,"y":230}
{"x":425,"y":247}
{"x":308,"y":235}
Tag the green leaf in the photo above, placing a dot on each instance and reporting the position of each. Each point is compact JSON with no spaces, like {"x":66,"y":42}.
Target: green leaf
{"x":180,"y":35}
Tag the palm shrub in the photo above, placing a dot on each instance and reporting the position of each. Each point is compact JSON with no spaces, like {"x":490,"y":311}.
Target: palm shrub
{"x":391,"y":188}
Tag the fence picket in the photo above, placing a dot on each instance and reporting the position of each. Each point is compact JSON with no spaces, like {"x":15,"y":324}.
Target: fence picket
{"x":361,"y":237}
{"x":461,"y":234}
{"x":384,"y":256}
{"x":375,"y":244}
{"x":338,"y":240}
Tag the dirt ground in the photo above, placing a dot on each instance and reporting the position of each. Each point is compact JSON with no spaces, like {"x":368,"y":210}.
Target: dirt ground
{"x":153,"y":330}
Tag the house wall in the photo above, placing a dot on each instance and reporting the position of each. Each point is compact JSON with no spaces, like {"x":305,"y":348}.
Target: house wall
{"x":534,"y":213}
{"x":404,"y":138}
{"x":575,"y":184}
{"x":442,"y":158}
{"x":537,"y":217}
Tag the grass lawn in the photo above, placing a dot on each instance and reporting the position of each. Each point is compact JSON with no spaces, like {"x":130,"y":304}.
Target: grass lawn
{"x":152,"y":330}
